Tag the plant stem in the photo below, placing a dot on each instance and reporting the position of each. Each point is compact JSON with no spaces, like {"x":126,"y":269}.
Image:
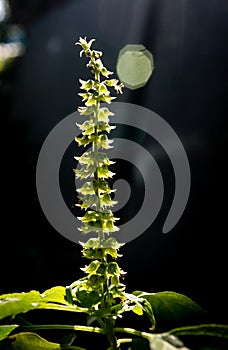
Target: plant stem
{"x":88,"y":329}
{"x":124,"y":340}
{"x":111,"y":334}
{"x":67,"y":327}
{"x":133,"y":332}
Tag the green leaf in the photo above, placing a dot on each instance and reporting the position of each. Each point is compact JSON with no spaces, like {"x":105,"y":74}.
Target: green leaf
{"x":157,"y":342}
{"x":5,"y":330}
{"x":137,"y":309}
{"x":143,"y":306}
{"x":32,"y":341}
{"x":210,"y":330}
{"x":88,"y":299}
{"x":27,"y":341}
{"x":204,"y":336}
{"x":149,"y":313}
{"x":12,"y":304}
{"x":56,"y":295}
{"x":98,"y":314}
{"x":172,"y":309}
{"x":15,"y":303}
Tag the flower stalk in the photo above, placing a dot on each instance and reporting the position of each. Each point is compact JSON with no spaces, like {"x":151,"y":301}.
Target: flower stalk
{"x":102,"y":280}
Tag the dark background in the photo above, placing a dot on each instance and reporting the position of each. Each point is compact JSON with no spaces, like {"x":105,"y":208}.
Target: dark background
{"x":188,"y":89}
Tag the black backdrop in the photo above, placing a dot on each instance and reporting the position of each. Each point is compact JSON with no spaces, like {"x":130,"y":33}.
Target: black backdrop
{"x":188,"y":89}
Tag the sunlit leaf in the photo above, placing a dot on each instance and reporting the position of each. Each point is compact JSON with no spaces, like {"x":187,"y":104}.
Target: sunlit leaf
{"x":27,"y":341}
{"x":149,"y":313}
{"x":32,"y":341}
{"x":5,"y":330}
{"x":55,"y":295}
{"x":173,"y":309}
{"x":15,"y":303}
{"x":138,"y":310}
{"x":104,"y":312}
{"x":204,"y":336}
{"x":88,"y":298}
{"x":157,"y":342}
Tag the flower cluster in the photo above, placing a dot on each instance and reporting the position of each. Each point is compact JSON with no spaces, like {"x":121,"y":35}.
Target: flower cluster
{"x":95,"y":194}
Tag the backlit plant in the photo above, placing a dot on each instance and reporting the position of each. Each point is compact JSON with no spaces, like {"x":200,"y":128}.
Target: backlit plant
{"x":100,"y":293}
